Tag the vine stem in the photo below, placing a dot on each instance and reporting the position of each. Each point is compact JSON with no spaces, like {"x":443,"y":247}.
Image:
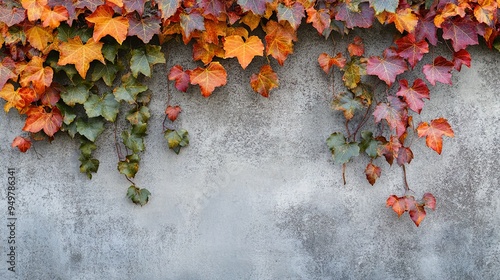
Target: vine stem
{"x":343,"y":173}
{"x":363,"y":122}
{"x":407,"y":188}
{"x":117,"y":146}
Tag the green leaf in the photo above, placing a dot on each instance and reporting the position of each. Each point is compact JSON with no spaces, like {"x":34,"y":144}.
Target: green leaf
{"x":129,"y":89}
{"x":342,"y":151}
{"x":70,"y":129}
{"x":89,"y":166}
{"x":384,"y":5}
{"x":105,"y":71}
{"x":369,"y":145}
{"x":138,"y":196}
{"x":110,"y":50}
{"x":144,"y":97}
{"x":129,"y":166}
{"x":67,"y":112}
{"x":87,"y":147}
{"x":177,"y":139}
{"x":65,"y":32}
{"x":353,"y":71}
{"x":91,"y":128}
{"x":143,"y":59}
{"x":346,"y":102}
{"x":105,"y":106}
{"x":139,"y":116}
{"x":133,"y":141}
{"x":72,"y":95}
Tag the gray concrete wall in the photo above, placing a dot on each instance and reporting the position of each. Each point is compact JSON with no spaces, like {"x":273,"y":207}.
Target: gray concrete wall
{"x":256,"y":194}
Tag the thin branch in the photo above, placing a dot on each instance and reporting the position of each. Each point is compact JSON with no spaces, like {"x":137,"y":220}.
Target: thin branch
{"x":407,"y":188}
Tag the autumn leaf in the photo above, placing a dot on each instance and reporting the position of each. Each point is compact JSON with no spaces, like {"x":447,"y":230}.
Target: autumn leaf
{"x":486,"y":11}
{"x":258,"y":7}
{"x":363,"y":18}
{"x":180,"y":76}
{"x":394,"y":113}
{"x":43,"y":118}
{"x":426,"y":29}
{"x":213,"y":7}
{"x":172,"y":112}
{"x":168,"y":7}
{"x":22,"y":143}
{"x":7,"y":68}
{"x":356,"y":48}
{"x":39,"y":37}
{"x":429,"y":200}
{"x":417,"y":214}
{"x":434,"y":133}
{"x":353,"y":71}
{"x":372,"y":172}
{"x":326,"y":61}
{"x":404,"y":19}
{"x":390,"y":149}
{"x":386,"y":68}
{"x":38,"y":75}
{"x":191,"y":22}
{"x":13,"y":98}
{"x":398,"y":204}
{"x":129,"y":167}
{"x":461,"y":31}
{"x":279,"y":40}
{"x":405,"y":156}
{"x":79,"y":54}
{"x":207,"y":51}
{"x":293,"y":14}
{"x":438,"y":71}
{"x":414,"y":95}
{"x":347,"y":103}
{"x":135,"y":5}
{"x":106,"y":24}
{"x":264,"y":81}
{"x":12,"y":16}
{"x":462,"y":57}
{"x":53,"y":17}
{"x":320,"y":19}
{"x":176,"y":139}
{"x":34,"y":8}
{"x":250,"y":19}
{"x":243,"y":51}
{"x":412,"y":50}
{"x":143,"y":28}
{"x":209,"y":78}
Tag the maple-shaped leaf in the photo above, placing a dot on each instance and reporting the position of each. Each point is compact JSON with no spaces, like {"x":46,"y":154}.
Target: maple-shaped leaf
{"x":213,"y":7}
{"x":143,"y":59}
{"x":438,"y":71}
{"x":168,"y":7}
{"x":398,"y":204}
{"x":320,"y":19}
{"x":434,"y":133}
{"x":414,"y":95}
{"x":461,"y":31}
{"x":429,"y":201}
{"x":426,"y":29}
{"x":7,"y":68}
{"x":13,"y":98}
{"x":293,"y":14}
{"x":326,"y":61}
{"x":264,"y":81}
{"x":22,"y":143}
{"x":404,"y":20}
{"x":347,"y":103}
{"x":362,"y":18}
{"x":405,"y":156}
{"x":12,"y":16}
{"x":34,"y":8}
{"x":106,"y":24}
{"x":39,"y":37}
{"x":384,"y":5}
{"x":76,"y":94}
{"x":180,"y":76}
{"x":243,"y":51}
{"x":390,"y":149}
{"x":191,"y":22}
{"x":353,"y":71}
{"x":372,"y":173}
{"x":369,"y":145}
{"x":386,"y":68}
{"x":486,"y":11}
{"x":79,"y":54}
{"x":258,"y":7}
{"x":412,"y":50}
{"x":51,"y":96}
{"x":462,"y":57}
{"x":106,"y":72}
{"x":128,"y":89}
{"x":214,"y":29}
{"x":90,"y":128}
{"x":342,"y":151}
{"x":394,"y":113}
{"x":105,"y":106}
{"x":35,"y":73}
{"x":251,"y":20}
{"x":135,"y":5}
{"x":134,"y":138}
{"x":209,"y":78}
{"x":172,"y":112}
{"x":139,"y":116}
{"x":207,"y":51}
{"x":356,"y":48}
{"x":89,"y":4}
{"x":144,"y":28}
{"x":53,"y":17}
{"x":137,"y":195}
{"x":279,"y":40}
{"x":43,"y":118}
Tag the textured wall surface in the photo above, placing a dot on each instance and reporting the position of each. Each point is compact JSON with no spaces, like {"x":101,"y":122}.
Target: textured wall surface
{"x":256,"y":194}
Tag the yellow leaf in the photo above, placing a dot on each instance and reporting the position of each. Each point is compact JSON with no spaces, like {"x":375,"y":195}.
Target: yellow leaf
{"x":39,"y":37}
{"x":243,"y":51}
{"x":106,"y":24}
{"x":75,"y":52}
{"x":404,"y":19}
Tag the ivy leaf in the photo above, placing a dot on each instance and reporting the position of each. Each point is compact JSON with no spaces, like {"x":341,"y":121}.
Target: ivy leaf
{"x":177,"y":139}
{"x":264,"y":81}
{"x":129,"y":166}
{"x":168,"y":7}
{"x":414,"y":95}
{"x":144,"y":28}
{"x":390,"y":149}
{"x":39,"y":37}
{"x":258,"y":7}
{"x":12,"y":16}
{"x":172,"y":112}
{"x":394,"y":113}
{"x":53,"y":17}
{"x":129,"y":89}
{"x":38,"y":75}
{"x":65,"y":33}
{"x":362,"y":18}
{"x":191,"y":22}
{"x":13,"y":98}
{"x":438,"y":71}
{"x":372,"y":173}
{"x":412,"y":50}
{"x":398,"y":204}
{"x":79,"y":54}
{"x":353,"y":71}
{"x":105,"y":106}
{"x":143,"y":59}
{"x":22,"y":143}
{"x":405,"y":155}
{"x":180,"y":76}
{"x":356,"y":48}
{"x":417,"y":213}
{"x":90,"y":4}
{"x":76,"y":94}
{"x":386,"y":68}
{"x":279,"y":40}
{"x":134,"y":139}
{"x":43,"y":118}
{"x":105,"y":71}
{"x":429,"y":200}
{"x":426,"y":29}
{"x":369,"y":145}
{"x":34,"y":8}
{"x":138,"y":196}
{"x":384,"y":5}
{"x":326,"y":61}
{"x":404,"y":19}
{"x":462,"y":57}
{"x":347,"y":103}
{"x":320,"y":19}
{"x":209,"y":78}
{"x":213,"y":7}
{"x":67,"y":113}
{"x":485,"y":12}
{"x":139,"y":116}
{"x":342,"y":151}
{"x":243,"y":51}
{"x":88,"y":166}
{"x":7,"y":68}
{"x":106,"y":24}
{"x":91,"y":128}
{"x":434,"y":133}
{"x":461,"y":31}
{"x":135,"y":5}
{"x":206,"y":52}
{"x":293,"y":14}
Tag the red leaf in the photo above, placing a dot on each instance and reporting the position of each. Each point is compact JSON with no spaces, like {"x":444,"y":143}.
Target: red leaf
{"x":414,"y":95}
{"x":372,"y":172}
{"x":405,"y":155}
{"x":412,"y":50}
{"x":429,"y":200}
{"x":326,"y":62}
{"x":39,"y":119}
{"x":23,"y":144}
{"x":426,"y":29}
{"x":398,"y":204}
{"x":434,"y":133}
{"x":180,"y":76}
{"x":363,"y":18}
{"x":209,"y":78}
{"x":461,"y":31}
{"x":320,"y":19}
{"x":439,"y":71}
{"x":356,"y":48}
{"x":462,"y":57}
{"x":386,"y":68}
{"x":394,"y":113}
{"x":417,"y":214}
{"x":390,"y":150}
{"x":172,"y":112}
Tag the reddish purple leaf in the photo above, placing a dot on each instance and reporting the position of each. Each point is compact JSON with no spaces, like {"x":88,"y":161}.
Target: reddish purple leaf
{"x":394,"y":112}
{"x":293,"y":14}
{"x":390,"y":150}
{"x":363,"y":18}
{"x":258,"y":7}
{"x":414,"y":95}
{"x":180,"y":76}
{"x":168,"y":7}
{"x":12,"y":16}
{"x":461,"y":31}
{"x":426,"y":29}
{"x":386,"y":68}
{"x":145,"y":28}
{"x":191,"y":22}
{"x":412,"y":50}
{"x":213,"y":7}
{"x":462,"y":57}
{"x":429,"y":200}
{"x":405,"y":155}
{"x":439,"y":71}
{"x":134,"y":5}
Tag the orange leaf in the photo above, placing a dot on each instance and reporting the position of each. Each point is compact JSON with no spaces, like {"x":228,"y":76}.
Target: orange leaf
{"x":38,"y":75}
{"x":39,"y":37}
{"x":264,"y":81}
{"x":372,"y":172}
{"x":404,"y":19}
{"x":251,"y":20}
{"x":244,"y":51}
{"x":106,"y":24}
{"x":7,"y":68}
{"x":206,"y":52}
{"x":12,"y":97}
{"x":43,"y":118}
{"x":172,"y":112}
{"x":209,"y":78}
{"x":75,"y":52}
{"x":485,"y":11}
{"x":398,"y":204}
{"x":417,"y":214}
{"x":356,"y":48}
{"x":21,"y":143}
{"x":326,"y":62}
{"x":34,"y":8}
{"x":279,"y":40}
{"x":434,"y":133}
{"x":53,"y":18}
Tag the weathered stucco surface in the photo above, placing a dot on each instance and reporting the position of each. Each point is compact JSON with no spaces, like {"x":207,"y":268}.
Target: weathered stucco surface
{"x":256,"y":194}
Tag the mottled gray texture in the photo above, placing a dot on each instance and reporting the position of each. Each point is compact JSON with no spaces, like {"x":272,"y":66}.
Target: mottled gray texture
{"x":256,"y":194}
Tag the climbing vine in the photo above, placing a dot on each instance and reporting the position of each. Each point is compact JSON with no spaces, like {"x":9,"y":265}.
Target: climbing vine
{"x":72,"y":66}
